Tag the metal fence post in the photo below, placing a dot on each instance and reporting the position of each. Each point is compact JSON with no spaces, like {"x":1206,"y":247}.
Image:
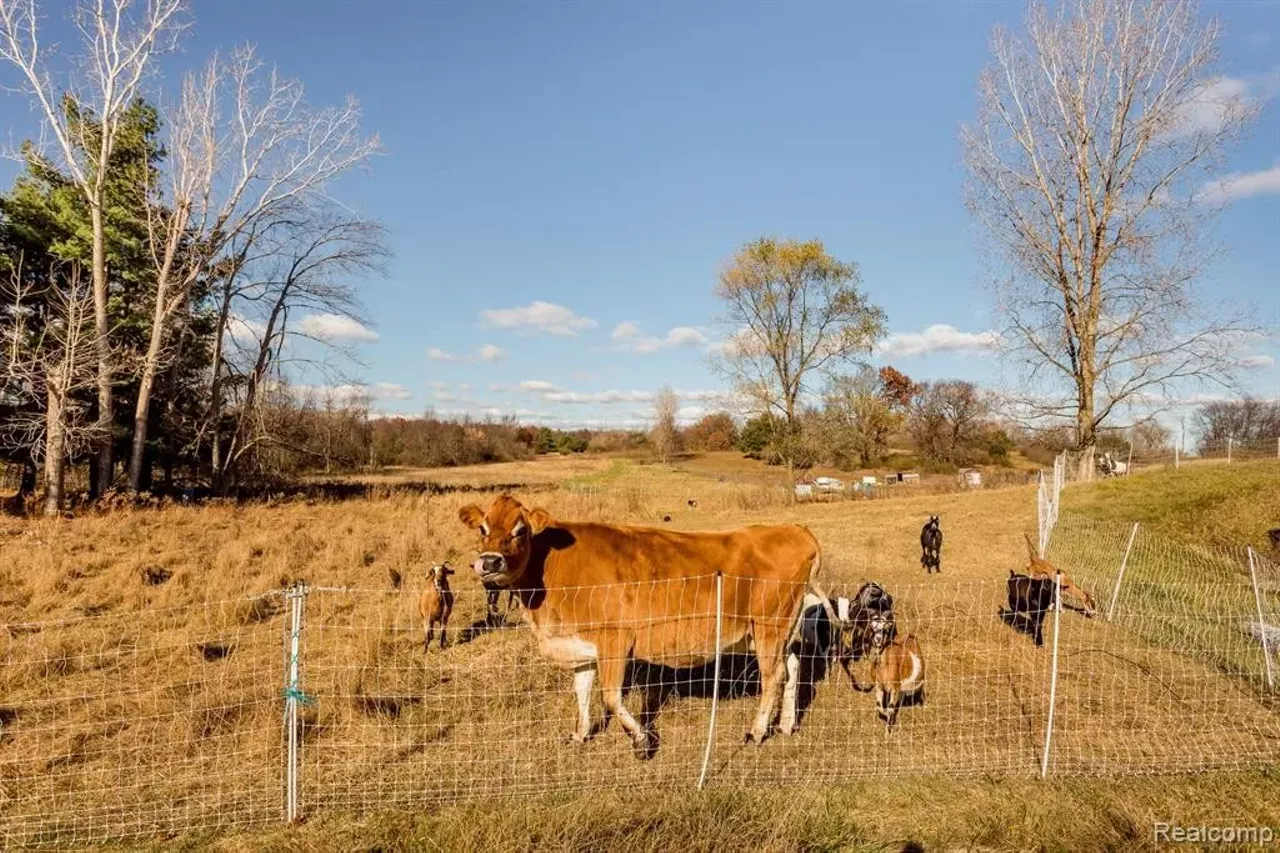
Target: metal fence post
{"x":1124,"y":563}
{"x":715,"y":684}
{"x":293,"y":696}
{"x":1262,"y":625}
{"x":1053,"y":672}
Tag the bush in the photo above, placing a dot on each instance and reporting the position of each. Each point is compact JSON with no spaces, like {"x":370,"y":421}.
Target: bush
{"x":716,"y":431}
{"x":755,"y":436}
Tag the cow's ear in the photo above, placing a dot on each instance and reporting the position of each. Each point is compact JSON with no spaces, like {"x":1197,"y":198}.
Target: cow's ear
{"x":539,"y":520}
{"x":471,"y":516}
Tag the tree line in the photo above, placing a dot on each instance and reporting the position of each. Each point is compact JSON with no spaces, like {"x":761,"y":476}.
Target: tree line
{"x":162,"y":270}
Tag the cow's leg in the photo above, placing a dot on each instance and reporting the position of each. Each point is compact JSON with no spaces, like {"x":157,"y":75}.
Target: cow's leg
{"x":769,"y":648}
{"x":790,"y":699}
{"x":613,"y":671}
{"x":444,"y":630}
{"x":584,"y":677}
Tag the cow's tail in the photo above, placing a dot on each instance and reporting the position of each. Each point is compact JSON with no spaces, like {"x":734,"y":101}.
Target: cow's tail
{"x":814,"y":569}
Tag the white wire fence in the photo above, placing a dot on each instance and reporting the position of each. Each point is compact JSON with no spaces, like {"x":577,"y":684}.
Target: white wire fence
{"x":320,"y":700}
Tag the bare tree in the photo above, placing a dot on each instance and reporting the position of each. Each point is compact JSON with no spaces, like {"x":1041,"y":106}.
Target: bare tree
{"x":247,"y":158}
{"x":1092,"y":131}
{"x":859,"y":418}
{"x":946,"y":418}
{"x":307,"y":265}
{"x":792,"y":312}
{"x":1249,"y":421}
{"x":665,"y":436}
{"x":49,"y":360}
{"x":120,"y":40}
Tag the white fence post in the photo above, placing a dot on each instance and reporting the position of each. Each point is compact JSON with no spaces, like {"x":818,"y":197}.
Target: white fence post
{"x":715,"y":684}
{"x":1278,"y":447}
{"x":1176,"y":460}
{"x":1262,"y":624}
{"x":1124,"y":564}
{"x":1228,"y":451}
{"x":296,"y":596}
{"x":1053,"y":673}
{"x":1128,"y":466}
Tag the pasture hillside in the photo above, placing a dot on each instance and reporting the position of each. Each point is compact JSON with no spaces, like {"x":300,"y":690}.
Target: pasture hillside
{"x":147,"y":612}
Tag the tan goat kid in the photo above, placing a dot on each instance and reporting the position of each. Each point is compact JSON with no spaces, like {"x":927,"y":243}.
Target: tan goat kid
{"x":435,"y":605}
{"x":898,"y":669}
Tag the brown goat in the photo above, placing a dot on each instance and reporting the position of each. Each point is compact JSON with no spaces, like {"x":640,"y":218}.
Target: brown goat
{"x":1040,"y":568}
{"x":898,"y":669}
{"x":435,"y":605}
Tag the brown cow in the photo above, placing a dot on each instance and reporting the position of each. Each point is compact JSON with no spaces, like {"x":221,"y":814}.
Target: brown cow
{"x":435,"y":605}
{"x":599,"y":595}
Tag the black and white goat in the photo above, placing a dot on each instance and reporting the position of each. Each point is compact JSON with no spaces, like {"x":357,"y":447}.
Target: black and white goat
{"x":931,"y":545}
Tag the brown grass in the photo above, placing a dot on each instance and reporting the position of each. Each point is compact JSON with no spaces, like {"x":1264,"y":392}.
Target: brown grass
{"x":142,"y":687}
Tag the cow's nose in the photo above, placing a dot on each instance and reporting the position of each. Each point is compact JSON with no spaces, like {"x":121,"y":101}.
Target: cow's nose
{"x":492,"y":564}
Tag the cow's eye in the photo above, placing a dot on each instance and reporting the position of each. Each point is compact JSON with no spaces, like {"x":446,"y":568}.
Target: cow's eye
{"x":484,"y":530}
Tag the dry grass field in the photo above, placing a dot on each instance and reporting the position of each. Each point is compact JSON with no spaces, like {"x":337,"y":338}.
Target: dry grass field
{"x":141,"y":688}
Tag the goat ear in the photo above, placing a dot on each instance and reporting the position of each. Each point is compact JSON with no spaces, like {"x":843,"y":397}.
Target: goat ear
{"x":539,"y":520}
{"x":471,"y":516}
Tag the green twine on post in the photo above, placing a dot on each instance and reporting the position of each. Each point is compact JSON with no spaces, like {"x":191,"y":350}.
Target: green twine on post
{"x":296,"y":694}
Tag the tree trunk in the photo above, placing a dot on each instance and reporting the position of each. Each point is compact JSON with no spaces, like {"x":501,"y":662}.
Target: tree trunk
{"x":1086,"y":432}
{"x":28,"y":485}
{"x":55,"y":456}
{"x":142,"y":414}
{"x":106,"y":411}
{"x":159,"y":321}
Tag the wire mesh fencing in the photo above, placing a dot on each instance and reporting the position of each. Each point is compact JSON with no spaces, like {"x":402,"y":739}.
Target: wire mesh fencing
{"x":123,"y":725}
{"x":1156,"y":657}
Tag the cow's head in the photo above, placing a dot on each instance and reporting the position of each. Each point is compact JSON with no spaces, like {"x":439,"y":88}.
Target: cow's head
{"x":506,"y":539}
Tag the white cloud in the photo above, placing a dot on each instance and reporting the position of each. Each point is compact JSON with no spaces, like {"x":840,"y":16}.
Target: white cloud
{"x":335,"y":327}
{"x":1241,"y":185}
{"x":352,"y":392}
{"x":544,"y":317}
{"x":489,"y":352}
{"x":1211,"y":107}
{"x":553,"y":393}
{"x":631,"y":339}
{"x":603,"y":397}
{"x":244,"y":329}
{"x":389,"y":391}
{"x":437,"y":354}
{"x":441,"y":386}
{"x":936,"y":338}
{"x":625,"y":330}
{"x":1256,"y":362}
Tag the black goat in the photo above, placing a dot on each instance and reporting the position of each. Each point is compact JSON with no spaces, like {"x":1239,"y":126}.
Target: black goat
{"x":494,"y":616}
{"x":1029,"y":600}
{"x":931,"y":546}
{"x":871,"y":600}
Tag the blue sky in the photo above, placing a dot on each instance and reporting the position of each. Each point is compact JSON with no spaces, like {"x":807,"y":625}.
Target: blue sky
{"x":553,"y":170}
